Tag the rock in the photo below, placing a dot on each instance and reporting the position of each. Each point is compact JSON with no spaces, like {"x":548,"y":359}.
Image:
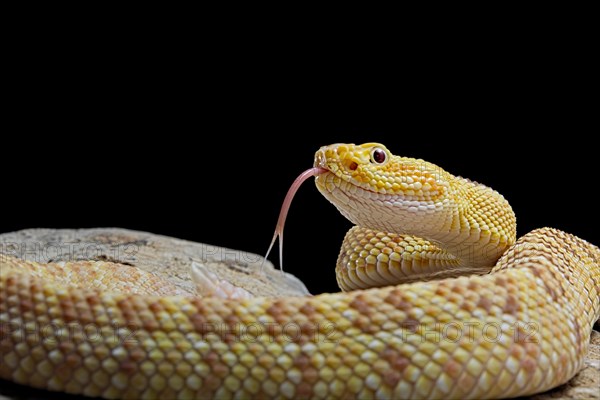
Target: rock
{"x":161,"y":255}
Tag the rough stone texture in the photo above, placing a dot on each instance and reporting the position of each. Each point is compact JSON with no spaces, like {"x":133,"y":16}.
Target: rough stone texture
{"x":158,"y":254}
{"x":172,"y":258}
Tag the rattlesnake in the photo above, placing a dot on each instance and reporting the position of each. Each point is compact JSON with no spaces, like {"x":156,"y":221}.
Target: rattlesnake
{"x":519,"y":324}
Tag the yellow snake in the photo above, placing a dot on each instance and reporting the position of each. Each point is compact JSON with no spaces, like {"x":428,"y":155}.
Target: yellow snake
{"x":521,"y":326}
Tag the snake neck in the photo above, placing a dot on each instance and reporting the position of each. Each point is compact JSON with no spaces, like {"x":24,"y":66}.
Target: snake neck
{"x":482,"y":226}
{"x":472,"y":222}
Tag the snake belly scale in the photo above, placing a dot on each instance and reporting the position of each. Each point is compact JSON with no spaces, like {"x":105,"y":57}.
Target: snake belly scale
{"x":442,"y":302}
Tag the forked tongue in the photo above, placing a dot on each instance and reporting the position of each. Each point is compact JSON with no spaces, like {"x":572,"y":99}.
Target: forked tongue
{"x":285,"y":208}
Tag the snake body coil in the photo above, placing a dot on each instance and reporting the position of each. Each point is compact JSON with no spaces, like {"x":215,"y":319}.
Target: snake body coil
{"x":519,"y":324}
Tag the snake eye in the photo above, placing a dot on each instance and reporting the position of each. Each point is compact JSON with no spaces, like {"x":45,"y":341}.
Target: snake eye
{"x":378,"y":156}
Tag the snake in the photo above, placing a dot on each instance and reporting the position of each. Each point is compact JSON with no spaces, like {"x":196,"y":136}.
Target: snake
{"x":439,"y":300}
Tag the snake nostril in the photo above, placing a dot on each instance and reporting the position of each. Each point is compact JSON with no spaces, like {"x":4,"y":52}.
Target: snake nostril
{"x":352,"y":166}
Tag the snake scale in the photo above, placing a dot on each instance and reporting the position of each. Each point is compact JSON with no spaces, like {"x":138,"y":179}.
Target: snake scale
{"x":516,"y":322}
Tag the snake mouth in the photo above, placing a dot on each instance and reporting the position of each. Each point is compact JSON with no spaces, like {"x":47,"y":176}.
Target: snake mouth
{"x":330,"y":181}
{"x":349,"y":196}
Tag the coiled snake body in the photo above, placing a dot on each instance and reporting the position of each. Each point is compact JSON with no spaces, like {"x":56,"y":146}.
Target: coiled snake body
{"x":520,"y":325}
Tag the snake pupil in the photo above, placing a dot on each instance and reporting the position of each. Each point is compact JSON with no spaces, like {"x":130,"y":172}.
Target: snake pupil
{"x":378,"y":156}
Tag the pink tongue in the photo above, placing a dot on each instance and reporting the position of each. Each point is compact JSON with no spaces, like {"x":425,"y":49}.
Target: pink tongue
{"x":285,"y":208}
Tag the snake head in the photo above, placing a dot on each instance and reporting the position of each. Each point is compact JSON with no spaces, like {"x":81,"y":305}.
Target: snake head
{"x":372,"y":167}
{"x":349,"y":159}
{"x":376,"y":189}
